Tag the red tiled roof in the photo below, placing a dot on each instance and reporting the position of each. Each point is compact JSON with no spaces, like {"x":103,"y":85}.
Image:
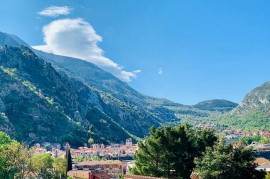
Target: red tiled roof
{"x":262,"y":162}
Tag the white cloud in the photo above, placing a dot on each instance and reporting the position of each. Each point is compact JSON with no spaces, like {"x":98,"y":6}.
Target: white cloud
{"x":160,"y":71}
{"x":55,"y":11}
{"x":77,"y":38}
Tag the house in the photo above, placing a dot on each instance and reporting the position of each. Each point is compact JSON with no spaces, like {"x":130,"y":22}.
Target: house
{"x":194,"y":176}
{"x":139,"y":177}
{"x":83,"y":174}
{"x":263,"y":164}
{"x":129,"y":142}
{"x":111,"y":167}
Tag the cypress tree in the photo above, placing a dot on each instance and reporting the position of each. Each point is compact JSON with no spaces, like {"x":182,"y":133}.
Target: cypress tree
{"x":68,"y":159}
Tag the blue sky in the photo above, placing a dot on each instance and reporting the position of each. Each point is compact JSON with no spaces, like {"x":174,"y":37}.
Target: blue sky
{"x":186,"y":51}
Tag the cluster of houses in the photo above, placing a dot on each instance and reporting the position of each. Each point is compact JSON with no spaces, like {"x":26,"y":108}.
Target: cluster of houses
{"x":52,"y":149}
{"x":115,"y":159}
{"x":103,"y":169}
{"x":113,"y":151}
{"x":231,"y":133}
{"x":260,"y":147}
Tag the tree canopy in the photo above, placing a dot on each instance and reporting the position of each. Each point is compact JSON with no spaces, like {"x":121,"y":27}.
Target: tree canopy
{"x":170,"y":151}
{"x":228,"y":161}
{"x":18,"y":161}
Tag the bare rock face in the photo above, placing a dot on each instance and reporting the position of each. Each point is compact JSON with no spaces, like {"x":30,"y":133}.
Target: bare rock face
{"x":258,"y":97}
{"x":36,"y":99}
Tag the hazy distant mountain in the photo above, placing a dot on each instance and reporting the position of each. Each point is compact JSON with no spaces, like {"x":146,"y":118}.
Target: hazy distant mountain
{"x":220,"y":105}
{"x":162,"y":109}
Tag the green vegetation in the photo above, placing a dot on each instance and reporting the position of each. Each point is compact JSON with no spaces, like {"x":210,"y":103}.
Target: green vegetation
{"x":254,"y":119}
{"x":47,"y":105}
{"x":261,"y":139}
{"x":171,"y":149}
{"x":254,"y":111}
{"x":10,"y":71}
{"x":45,"y":166}
{"x":90,"y":141}
{"x":176,"y":152}
{"x":216,"y":105}
{"x":18,"y":161}
{"x":30,"y":86}
{"x":228,"y":161}
{"x":3,"y":116}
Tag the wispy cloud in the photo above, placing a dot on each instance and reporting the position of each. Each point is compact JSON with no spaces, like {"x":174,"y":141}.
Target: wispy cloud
{"x":55,"y":11}
{"x":77,"y":38}
{"x":160,"y":71}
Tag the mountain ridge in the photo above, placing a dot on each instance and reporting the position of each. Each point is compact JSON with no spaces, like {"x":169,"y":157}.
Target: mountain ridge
{"x":253,"y":113}
{"x":111,"y":108}
{"x":41,"y":104}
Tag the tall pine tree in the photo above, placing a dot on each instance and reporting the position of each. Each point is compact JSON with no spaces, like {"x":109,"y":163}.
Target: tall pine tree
{"x":228,"y":161}
{"x":170,"y":151}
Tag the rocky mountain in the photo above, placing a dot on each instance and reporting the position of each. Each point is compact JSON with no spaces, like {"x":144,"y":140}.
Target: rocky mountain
{"x":220,"y":105}
{"x":258,"y":97}
{"x":11,"y":40}
{"x":46,"y":97}
{"x":39,"y":104}
{"x":119,"y":91}
{"x":253,"y":112}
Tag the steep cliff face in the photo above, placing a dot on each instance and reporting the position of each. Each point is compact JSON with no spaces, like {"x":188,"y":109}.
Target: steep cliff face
{"x":40,"y":104}
{"x":258,"y":97}
{"x":253,"y":113}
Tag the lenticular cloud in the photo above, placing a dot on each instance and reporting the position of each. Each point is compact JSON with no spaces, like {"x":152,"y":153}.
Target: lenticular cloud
{"x":77,"y":38}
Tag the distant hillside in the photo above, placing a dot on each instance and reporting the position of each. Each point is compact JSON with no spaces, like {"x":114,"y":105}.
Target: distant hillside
{"x":253,"y":112}
{"x":220,"y":105}
{"x":163,"y":110}
{"x":258,"y":97}
{"x":46,"y":97}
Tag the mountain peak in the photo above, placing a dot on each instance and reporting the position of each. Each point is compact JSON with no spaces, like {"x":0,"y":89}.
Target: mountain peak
{"x":11,"y":40}
{"x":220,"y":105}
{"x":254,"y":99}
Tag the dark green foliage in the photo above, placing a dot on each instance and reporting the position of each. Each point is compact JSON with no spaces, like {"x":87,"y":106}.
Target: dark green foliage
{"x":46,"y":166}
{"x":254,"y":111}
{"x":68,"y":159}
{"x":253,"y":119}
{"x":130,"y":109}
{"x":18,"y":161}
{"x":228,"y":161}
{"x":170,"y":151}
{"x":15,"y":159}
{"x":50,"y":99}
{"x":37,"y":101}
{"x":257,"y":138}
{"x":216,"y":105}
